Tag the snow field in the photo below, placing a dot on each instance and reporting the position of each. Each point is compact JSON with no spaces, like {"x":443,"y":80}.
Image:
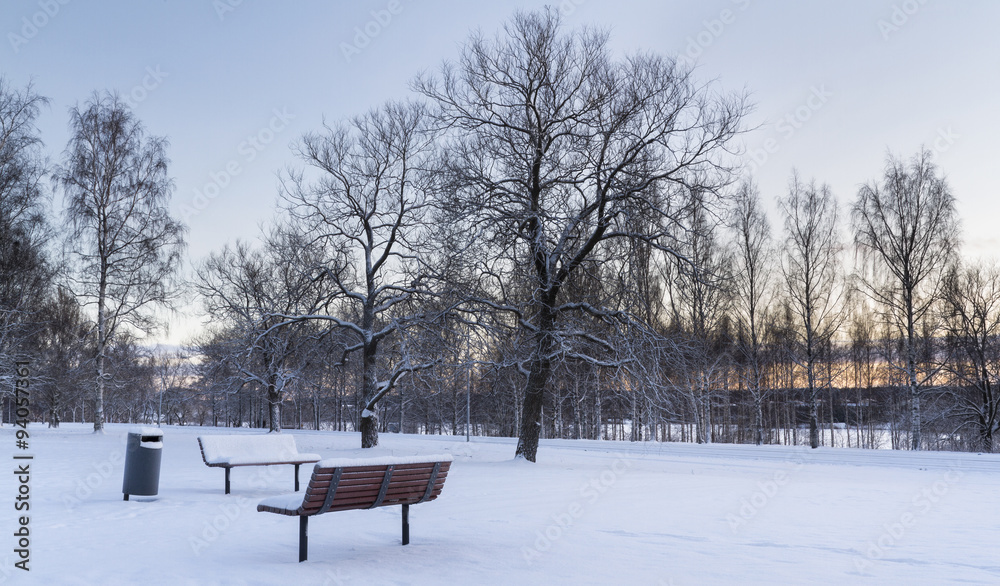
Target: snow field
{"x":589,"y":512}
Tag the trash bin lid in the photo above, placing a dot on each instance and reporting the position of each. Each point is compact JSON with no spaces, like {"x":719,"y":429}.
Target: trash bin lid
{"x":148,"y":434}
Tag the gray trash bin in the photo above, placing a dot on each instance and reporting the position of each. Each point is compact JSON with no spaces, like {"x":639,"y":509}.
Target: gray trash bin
{"x":142,"y":462}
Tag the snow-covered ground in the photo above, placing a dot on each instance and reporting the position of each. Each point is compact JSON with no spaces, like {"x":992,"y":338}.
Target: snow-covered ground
{"x":587,"y":513}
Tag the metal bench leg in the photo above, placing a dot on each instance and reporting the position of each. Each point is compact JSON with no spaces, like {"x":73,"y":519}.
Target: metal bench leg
{"x":303,"y":538}
{"x":296,"y":478}
{"x":406,"y":524}
{"x":227,"y":480}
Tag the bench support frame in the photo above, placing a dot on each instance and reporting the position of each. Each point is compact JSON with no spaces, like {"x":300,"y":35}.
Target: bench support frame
{"x":228,"y":468}
{"x":406,"y":524}
{"x":303,"y":538}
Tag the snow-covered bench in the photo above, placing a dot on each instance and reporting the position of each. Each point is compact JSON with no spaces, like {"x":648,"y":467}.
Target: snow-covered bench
{"x":229,"y":451}
{"x":344,"y":484}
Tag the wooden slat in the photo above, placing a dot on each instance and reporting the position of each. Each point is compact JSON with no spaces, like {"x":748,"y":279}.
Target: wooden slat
{"x":345,"y":483}
{"x":359,"y":487}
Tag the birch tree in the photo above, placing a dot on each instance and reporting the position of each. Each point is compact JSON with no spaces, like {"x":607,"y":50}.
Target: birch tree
{"x":699,"y":299}
{"x":751,"y":284}
{"x":812,"y":281}
{"x":554,"y":146}
{"x":908,"y":233}
{"x":125,"y":246}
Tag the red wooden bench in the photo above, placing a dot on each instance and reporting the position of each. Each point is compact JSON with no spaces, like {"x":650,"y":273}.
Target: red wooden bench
{"x":342,"y":485}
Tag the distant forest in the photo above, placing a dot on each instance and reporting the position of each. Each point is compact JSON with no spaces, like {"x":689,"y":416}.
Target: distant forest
{"x":545,"y":241}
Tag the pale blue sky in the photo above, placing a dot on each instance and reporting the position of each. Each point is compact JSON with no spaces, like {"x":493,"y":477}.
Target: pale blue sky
{"x":857,"y":77}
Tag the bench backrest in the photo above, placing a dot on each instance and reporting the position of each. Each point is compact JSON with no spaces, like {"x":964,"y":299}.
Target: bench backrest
{"x":220,"y":449}
{"x":340,"y":486}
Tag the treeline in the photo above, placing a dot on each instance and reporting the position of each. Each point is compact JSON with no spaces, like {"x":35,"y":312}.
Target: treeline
{"x":547,"y":240}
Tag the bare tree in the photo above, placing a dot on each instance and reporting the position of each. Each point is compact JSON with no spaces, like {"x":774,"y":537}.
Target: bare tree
{"x":245,"y":290}
{"x":813,"y":280}
{"x":366,"y":208}
{"x":555,"y":147}
{"x":866,"y":363}
{"x":751,"y":284}
{"x":972,"y":323}
{"x":65,"y":348}
{"x":25,"y":271}
{"x":172,"y":369}
{"x":125,"y":245}
{"x":699,"y":299}
{"x":907,"y":230}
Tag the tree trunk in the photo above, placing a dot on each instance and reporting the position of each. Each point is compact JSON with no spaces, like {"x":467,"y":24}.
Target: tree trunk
{"x":369,"y":417}
{"x":758,"y":418}
{"x":911,"y":372}
{"x":811,"y":376}
{"x":534,"y":396}
{"x":102,"y":342}
{"x":274,"y":411}
{"x":813,"y":419}
{"x":369,"y":429}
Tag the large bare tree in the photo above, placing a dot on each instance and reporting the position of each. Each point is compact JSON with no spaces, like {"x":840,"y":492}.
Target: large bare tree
{"x":365,"y":203}
{"x":908,"y":232}
{"x":555,"y":146}
{"x":813,"y":281}
{"x":125,"y":245}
